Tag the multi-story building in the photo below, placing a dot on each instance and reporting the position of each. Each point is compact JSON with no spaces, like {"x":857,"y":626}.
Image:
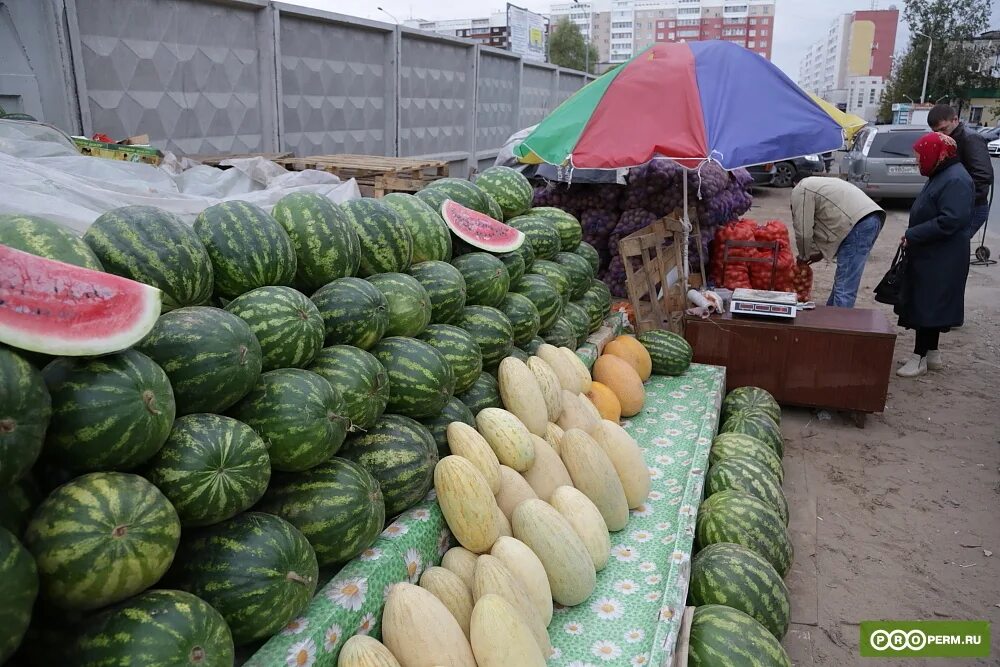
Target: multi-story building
{"x":491,"y":30}
{"x":749,"y":23}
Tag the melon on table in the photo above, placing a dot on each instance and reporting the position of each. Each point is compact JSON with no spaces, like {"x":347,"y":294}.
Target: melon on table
{"x":480,"y":230}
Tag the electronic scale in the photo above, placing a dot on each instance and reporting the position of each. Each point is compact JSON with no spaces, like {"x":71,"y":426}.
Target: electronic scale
{"x":763,"y":303}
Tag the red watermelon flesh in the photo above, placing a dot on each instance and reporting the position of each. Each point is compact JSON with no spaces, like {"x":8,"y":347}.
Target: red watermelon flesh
{"x":65,"y":310}
{"x":480,"y":230}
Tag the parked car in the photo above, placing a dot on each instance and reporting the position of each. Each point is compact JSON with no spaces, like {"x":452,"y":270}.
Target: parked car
{"x":990,"y":133}
{"x":994,"y":148}
{"x":762,"y":173}
{"x":881,"y":161}
{"x":790,"y":172}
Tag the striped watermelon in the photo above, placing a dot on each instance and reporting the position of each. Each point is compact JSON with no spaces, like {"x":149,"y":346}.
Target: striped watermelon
{"x":386,"y":242}
{"x":116,"y":544}
{"x":287,"y":325}
{"x":518,"y":353}
{"x":400,"y":453}
{"x":722,"y":635}
{"x":514,"y":261}
{"x":491,"y":329}
{"x":337,"y":505}
{"x":109,"y":413}
{"x":420,"y":379}
{"x":459,"y":349}
{"x":595,"y":313}
{"x":354,"y":312}
{"x":560,"y":334}
{"x":359,"y":378}
{"x":409,"y":303}
{"x":743,"y":398}
{"x":735,"y":576}
{"x":750,"y":476}
{"x":544,"y":237}
{"x":25,"y":409}
{"x":557,"y":275}
{"x":737,"y":517}
{"x":300,"y":416}
{"x":509,"y":188}
{"x":484,"y":393}
{"x":543,"y":294}
{"x":670,"y":353}
{"x":211,"y":357}
{"x":602,"y":291}
{"x":523,"y":316}
{"x":566,"y":224}
{"x":255,"y":569}
{"x":757,"y":424}
{"x":326,"y":245}
{"x":579,"y":271}
{"x":453,"y":411}
{"x":456,"y":189}
{"x":579,"y":320}
{"x":158,"y":627}
{"x":445,"y":286}
{"x":211,"y":468}
{"x":728,"y":445}
{"x":17,"y":503}
{"x":154,"y":247}
{"x":492,"y":207}
{"x":589,"y":253}
{"x":431,"y":237}
{"x":47,"y":239}
{"x":249,"y":249}
{"x":18,"y":589}
{"x":486,"y":278}
{"x":532,"y":346}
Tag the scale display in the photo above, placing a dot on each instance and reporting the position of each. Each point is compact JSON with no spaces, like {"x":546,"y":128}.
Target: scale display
{"x":762,"y":303}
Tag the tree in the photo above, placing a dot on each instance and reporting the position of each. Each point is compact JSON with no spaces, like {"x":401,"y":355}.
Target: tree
{"x":567,"y":47}
{"x":955,"y":60}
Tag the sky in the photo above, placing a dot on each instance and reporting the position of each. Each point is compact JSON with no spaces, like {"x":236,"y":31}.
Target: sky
{"x":798,"y":23}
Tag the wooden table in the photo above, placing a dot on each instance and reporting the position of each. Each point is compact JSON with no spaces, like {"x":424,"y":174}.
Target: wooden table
{"x":832,"y":358}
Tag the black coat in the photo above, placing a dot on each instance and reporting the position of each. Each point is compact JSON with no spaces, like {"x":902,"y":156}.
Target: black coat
{"x":975,"y":157}
{"x":938,"y":248}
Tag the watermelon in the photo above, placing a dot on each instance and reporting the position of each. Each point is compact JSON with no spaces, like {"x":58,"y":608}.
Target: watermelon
{"x":568,"y":227}
{"x":750,"y":476}
{"x":431,"y":236}
{"x":523,"y":316}
{"x":484,"y":393}
{"x":740,"y":518}
{"x":560,"y":334}
{"x":445,"y":287}
{"x":728,"y":445}
{"x":532,"y":345}
{"x":757,"y":424}
{"x":409,"y":303}
{"x":158,"y":627}
{"x":400,"y":453}
{"x":45,"y":238}
{"x":579,"y":272}
{"x":518,"y":353}
{"x":541,"y":292}
{"x":595,"y":313}
{"x":589,"y":253}
{"x":486,"y":278}
{"x":509,"y":188}
{"x":360,"y":379}
{"x":255,"y":569}
{"x":733,"y":575}
{"x":670,"y":353}
{"x":458,"y":190}
{"x":540,"y":232}
{"x":478,"y":229}
{"x":115,"y":544}
{"x":420,"y":378}
{"x":386,"y":242}
{"x":459,"y":349}
{"x":557,"y":275}
{"x":249,"y":249}
{"x":579,"y":320}
{"x":25,"y":408}
{"x":491,"y":329}
{"x":287,"y":325}
{"x":721,"y":635}
{"x":493,"y":208}
{"x":17,"y":503}
{"x":743,"y":398}
{"x":514,"y":261}
{"x":326,"y":245}
{"x":354,"y":312}
{"x":337,"y":505}
{"x":60,"y":309}
{"x":453,"y":411}
{"x":602,"y":292}
{"x":300,"y":416}
{"x":108,"y":413}
{"x":18,"y":116}
{"x":18,"y":589}
{"x":211,"y":357}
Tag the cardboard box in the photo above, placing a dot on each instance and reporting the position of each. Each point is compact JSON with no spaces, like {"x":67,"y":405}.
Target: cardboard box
{"x":128,"y":153}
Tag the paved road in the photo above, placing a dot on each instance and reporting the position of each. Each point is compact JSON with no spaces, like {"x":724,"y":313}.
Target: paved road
{"x":993,"y":226}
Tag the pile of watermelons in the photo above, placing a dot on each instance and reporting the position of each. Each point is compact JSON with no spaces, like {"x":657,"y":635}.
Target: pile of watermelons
{"x":290,"y":399}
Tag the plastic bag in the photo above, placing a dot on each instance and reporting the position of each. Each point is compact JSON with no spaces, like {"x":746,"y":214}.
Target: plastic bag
{"x":773,"y":231}
{"x":802,"y":281}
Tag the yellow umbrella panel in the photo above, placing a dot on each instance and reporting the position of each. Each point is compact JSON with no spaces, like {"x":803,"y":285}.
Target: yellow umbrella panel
{"x":848,"y":121}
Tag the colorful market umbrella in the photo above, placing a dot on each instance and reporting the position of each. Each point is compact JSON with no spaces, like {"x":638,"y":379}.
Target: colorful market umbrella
{"x":688,"y":102}
{"x":850,"y":122}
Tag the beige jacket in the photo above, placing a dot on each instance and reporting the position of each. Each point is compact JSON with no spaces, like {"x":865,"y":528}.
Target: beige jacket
{"x":824,"y":210}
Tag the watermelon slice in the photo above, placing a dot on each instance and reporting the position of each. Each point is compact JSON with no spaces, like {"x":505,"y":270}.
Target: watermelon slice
{"x":480,"y":230}
{"x":65,"y":310}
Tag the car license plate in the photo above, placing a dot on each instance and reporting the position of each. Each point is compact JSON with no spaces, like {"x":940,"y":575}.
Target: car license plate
{"x":902,"y":169}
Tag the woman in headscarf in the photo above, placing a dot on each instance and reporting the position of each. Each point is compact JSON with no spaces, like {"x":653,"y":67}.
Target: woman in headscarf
{"x":938,"y":250}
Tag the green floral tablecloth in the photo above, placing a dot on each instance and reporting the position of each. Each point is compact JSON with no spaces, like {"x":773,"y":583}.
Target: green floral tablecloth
{"x":634,"y":614}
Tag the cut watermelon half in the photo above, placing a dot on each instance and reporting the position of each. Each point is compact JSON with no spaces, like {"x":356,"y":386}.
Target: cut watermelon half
{"x":480,"y":230}
{"x":65,"y":310}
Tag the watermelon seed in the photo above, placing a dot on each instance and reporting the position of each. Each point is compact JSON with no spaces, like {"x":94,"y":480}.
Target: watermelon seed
{"x":7,"y":426}
{"x":119,"y":531}
{"x":197,"y":655}
{"x":298,"y":578}
{"x":149,"y":398}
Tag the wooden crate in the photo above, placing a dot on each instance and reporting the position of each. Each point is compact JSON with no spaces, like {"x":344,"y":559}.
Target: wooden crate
{"x":214,"y":160}
{"x":375,"y":174}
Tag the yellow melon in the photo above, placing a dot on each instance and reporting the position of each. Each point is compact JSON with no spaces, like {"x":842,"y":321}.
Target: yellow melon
{"x":634,"y":352}
{"x":605,"y":401}
{"x":618,"y":376}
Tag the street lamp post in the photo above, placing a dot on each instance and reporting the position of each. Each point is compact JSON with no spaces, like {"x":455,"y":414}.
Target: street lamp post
{"x":927,"y":65}
{"x":394,"y":19}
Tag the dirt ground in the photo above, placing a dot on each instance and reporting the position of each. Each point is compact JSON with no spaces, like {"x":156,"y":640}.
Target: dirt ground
{"x":901,"y":519}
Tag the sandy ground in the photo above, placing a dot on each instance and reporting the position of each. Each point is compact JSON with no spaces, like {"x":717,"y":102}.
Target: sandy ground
{"x":901,"y":519}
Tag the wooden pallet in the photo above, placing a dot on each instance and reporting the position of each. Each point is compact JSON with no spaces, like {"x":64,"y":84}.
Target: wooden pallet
{"x":381,"y":174}
{"x":214,"y":160}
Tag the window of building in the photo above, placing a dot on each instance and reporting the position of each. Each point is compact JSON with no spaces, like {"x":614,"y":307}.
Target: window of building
{"x":672,"y":36}
{"x":753,"y":21}
{"x":689,"y":22}
{"x":730,"y":32}
{"x":763,"y":33}
{"x":687,"y":33}
{"x":751,"y":45}
{"x":763,"y":43}
{"x":734,"y":8}
{"x":659,"y":36}
{"x":689,"y":10}
{"x":661,"y":24}
{"x":871,"y":96}
{"x":752,"y":33}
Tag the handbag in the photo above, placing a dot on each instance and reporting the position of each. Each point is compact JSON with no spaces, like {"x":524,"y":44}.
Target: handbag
{"x":890,"y":289}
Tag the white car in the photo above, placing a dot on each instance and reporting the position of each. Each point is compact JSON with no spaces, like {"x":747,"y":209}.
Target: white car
{"x":994,"y":148}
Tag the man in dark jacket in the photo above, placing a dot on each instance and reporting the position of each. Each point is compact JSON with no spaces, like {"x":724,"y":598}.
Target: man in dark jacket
{"x":974,"y":155}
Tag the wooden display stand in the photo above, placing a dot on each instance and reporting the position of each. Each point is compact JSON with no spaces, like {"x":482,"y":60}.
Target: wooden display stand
{"x":376,"y":175}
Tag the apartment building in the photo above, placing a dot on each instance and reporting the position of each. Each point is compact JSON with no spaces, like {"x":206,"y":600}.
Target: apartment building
{"x":491,"y":30}
{"x":749,"y":23}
